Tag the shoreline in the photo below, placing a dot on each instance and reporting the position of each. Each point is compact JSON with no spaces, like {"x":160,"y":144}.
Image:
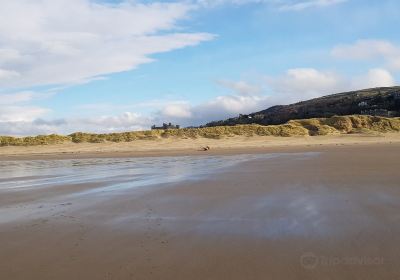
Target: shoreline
{"x":192,"y":147}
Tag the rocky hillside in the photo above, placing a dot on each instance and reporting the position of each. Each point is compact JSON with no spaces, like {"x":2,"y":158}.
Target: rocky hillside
{"x":383,"y":102}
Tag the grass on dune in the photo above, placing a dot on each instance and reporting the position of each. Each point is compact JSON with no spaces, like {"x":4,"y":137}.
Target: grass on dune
{"x":306,"y":127}
{"x":33,"y":140}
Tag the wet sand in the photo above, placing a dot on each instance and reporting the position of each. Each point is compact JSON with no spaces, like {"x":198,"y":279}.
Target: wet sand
{"x":312,"y":213}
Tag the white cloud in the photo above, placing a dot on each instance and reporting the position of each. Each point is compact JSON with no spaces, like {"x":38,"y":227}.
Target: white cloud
{"x":123,"y":122}
{"x":22,"y":128}
{"x":11,"y":113}
{"x":177,"y":110}
{"x":7,"y":55}
{"x":213,"y":3}
{"x":284,"y":5}
{"x":14,"y":107}
{"x":17,"y":97}
{"x":240,"y":87}
{"x":365,"y":49}
{"x":19,"y":119}
{"x":69,"y":41}
{"x":305,"y":82}
{"x":244,"y":98}
{"x":8,"y":74}
{"x":374,"y":78}
{"x":369,"y":50}
{"x":302,"y":5}
{"x":25,"y":126}
{"x":294,"y":85}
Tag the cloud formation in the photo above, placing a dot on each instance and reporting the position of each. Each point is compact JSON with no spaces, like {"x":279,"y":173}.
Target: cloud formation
{"x":240,"y":87}
{"x":376,"y":77}
{"x":12,"y":113}
{"x":295,"y":85}
{"x":367,"y":50}
{"x":284,"y":5}
{"x":243,"y":97}
{"x":302,"y":5}
{"x":69,"y":41}
{"x":305,"y":83}
{"x":309,"y":82}
{"x":292,"y":86}
{"x":124,"y":122}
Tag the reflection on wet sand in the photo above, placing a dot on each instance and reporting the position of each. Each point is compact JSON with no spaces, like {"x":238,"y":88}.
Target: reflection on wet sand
{"x":278,"y":216}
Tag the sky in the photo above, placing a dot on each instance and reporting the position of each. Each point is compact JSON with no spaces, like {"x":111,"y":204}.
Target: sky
{"x":121,"y":65}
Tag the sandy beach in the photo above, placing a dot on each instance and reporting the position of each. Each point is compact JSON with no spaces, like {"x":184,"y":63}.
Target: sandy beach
{"x":312,"y":211}
{"x":199,"y":140}
{"x":181,"y":147}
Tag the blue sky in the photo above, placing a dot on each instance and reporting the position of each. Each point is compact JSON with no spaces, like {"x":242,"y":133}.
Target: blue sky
{"x":101,"y":66}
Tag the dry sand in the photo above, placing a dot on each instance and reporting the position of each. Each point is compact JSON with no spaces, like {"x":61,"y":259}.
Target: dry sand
{"x":329,"y":215}
{"x":170,"y":146}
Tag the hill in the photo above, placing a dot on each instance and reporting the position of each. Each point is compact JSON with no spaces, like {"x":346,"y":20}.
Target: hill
{"x":374,"y":110}
{"x":384,"y":102}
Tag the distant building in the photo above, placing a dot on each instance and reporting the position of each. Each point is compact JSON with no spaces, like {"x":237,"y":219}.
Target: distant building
{"x":396,"y":95}
{"x":379,"y":112}
{"x":241,"y":116}
{"x":258,"y":116}
{"x":363,"y":104}
{"x":166,"y":126}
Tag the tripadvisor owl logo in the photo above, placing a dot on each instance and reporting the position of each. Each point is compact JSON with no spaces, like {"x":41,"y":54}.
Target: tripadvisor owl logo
{"x":309,"y":260}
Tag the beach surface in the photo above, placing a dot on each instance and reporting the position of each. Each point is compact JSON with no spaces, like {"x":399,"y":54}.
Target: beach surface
{"x":320,"y":210}
{"x":179,"y":146}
